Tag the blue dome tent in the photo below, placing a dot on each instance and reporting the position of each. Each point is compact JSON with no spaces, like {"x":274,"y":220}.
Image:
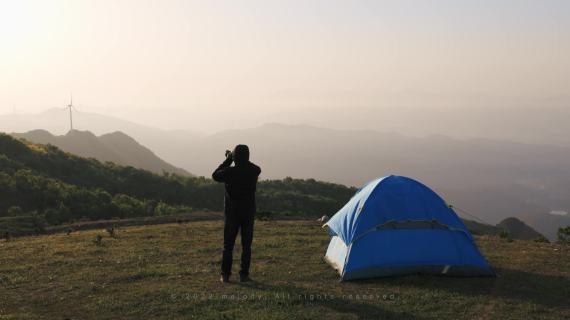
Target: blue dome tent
{"x":395,"y":225}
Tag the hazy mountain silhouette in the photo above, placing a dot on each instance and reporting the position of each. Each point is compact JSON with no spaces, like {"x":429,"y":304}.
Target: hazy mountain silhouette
{"x":538,"y":122}
{"x":114,"y":147}
{"x":56,"y":121}
{"x":518,"y":229}
{"x":492,"y":179}
{"x":547,"y":224}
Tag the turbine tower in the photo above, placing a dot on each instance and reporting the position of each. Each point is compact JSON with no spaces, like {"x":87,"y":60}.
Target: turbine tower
{"x":70,"y":107}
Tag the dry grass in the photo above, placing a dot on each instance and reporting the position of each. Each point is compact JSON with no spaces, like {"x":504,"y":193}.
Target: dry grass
{"x":171,"y":272}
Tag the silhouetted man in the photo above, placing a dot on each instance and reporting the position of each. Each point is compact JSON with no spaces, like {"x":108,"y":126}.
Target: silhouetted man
{"x":239,"y":207}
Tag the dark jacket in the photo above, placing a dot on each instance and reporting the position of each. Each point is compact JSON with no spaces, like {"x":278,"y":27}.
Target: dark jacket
{"x":240,"y":181}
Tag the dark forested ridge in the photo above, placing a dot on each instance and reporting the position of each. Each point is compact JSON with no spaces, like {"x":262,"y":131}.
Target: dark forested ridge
{"x":47,"y":183}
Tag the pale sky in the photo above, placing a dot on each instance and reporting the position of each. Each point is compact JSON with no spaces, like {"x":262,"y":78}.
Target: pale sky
{"x":209,"y":65}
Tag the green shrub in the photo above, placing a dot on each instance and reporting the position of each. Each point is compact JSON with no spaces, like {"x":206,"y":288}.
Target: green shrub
{"x":98,"y":240}
{"x":58,"y":215}
{"x":15,"y":211}
{"x":504,"y":234}
{"x":264,"y":215}
{"x":541,"y":239}
{"x":564,"y":235}
{"x":28,"y":224}
{"x":128,"y":206}
{"x":112,"y":231}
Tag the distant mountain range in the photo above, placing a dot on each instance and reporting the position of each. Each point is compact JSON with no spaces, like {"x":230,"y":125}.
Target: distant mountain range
{"x":115,"y":147}
{"x":491,"y":179}
{"x":56,"y":121}
{"x":60,"y":187}
{"x":515,"y":228}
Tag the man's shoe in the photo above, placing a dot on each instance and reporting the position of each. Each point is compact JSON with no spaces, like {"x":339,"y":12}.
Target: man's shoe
{"x":225,"y":278}
{"x":244,"y":278}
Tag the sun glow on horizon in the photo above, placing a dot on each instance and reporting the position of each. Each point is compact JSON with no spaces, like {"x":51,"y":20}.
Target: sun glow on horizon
{"x":280,"y":59}
{"x":27,"y":22}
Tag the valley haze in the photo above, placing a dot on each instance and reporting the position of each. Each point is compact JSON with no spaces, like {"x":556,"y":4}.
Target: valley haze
{"x":489,"y":178}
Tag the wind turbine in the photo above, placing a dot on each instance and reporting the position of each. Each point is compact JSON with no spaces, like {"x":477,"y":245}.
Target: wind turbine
{"x":71,"y":108}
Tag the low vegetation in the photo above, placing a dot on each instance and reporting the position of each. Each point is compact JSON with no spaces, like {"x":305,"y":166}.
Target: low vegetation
{"x":57,"y":187}
{"x":564,"y":235}
{"x":171,"y":272}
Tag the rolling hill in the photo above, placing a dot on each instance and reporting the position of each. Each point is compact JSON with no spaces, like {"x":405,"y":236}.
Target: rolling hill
{"x":515,"y":228}
{"x":518,"y":229}
{"x":115,"y":147}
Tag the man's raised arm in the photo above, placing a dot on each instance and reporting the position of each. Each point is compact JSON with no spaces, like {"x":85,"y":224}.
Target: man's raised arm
{"x":219,"y":174}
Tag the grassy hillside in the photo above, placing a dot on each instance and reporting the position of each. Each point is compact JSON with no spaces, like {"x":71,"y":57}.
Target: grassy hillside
{"x":478,"y":228}
{"x":171,"y":272}
{"x":59,"y":187}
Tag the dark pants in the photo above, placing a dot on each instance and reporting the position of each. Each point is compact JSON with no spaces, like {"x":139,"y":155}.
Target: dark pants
{"x":232,"y":224}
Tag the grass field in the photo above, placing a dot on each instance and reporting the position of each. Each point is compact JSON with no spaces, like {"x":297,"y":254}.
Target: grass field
{"x":171,"y":272}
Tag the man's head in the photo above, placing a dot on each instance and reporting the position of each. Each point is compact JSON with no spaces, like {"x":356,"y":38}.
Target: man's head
{"x":241,"y":154}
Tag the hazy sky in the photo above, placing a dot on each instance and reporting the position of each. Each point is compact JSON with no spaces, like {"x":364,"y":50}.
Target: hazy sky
{"x":208,"y":65}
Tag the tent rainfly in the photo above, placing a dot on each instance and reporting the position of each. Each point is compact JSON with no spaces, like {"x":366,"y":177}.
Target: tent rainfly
{"x":394,"y":226}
